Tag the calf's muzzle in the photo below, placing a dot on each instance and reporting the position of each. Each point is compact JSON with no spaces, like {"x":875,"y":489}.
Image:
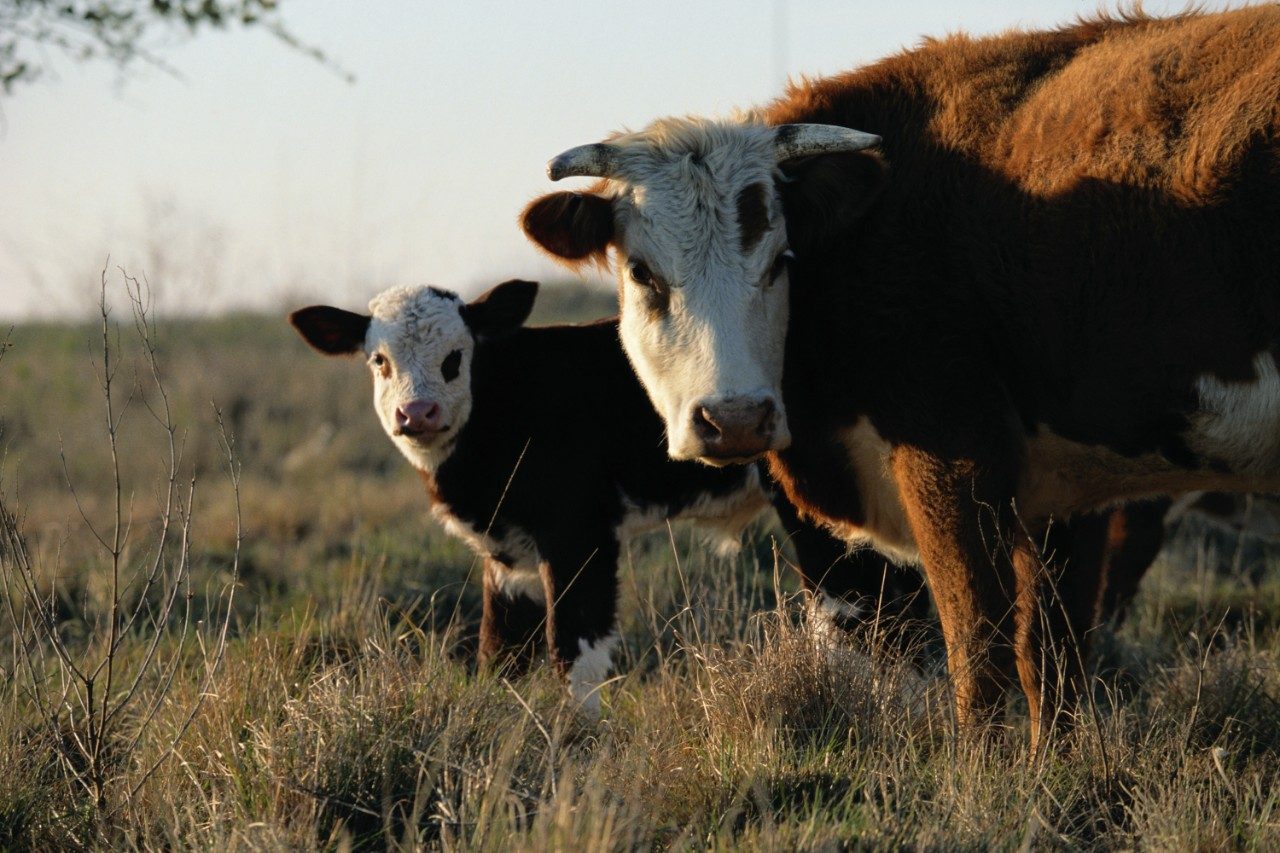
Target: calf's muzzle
{"x":418,"y":417}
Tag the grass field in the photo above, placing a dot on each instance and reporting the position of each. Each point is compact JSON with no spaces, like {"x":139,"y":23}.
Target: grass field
{"x":342,"y":707}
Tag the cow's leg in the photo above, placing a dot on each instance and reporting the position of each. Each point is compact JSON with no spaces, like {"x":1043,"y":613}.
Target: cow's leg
{"x":1063,"y":597}
{"x":960,"y":513}
{"x":842,"y":592}
{"x":1060,"y":578}
{"x":1135,"y":537}
{"x":512,"y":624}
{"x":581,"y":588}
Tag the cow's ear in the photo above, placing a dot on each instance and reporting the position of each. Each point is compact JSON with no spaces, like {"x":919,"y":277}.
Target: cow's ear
{"x":575,"y":228}
{"x":501,"y":309}
{"x":331,"y":330}
{"x":824,"y":196}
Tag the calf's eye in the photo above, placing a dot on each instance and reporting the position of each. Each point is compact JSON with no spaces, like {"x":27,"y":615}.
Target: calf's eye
{"x":451,"y":365}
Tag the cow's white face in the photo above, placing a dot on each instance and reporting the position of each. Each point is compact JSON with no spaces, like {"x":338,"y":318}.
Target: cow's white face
{"x":693,"y":210}
{"x":419,"y":350}
{"x":420,"y":344}
{"x":702,"y":283}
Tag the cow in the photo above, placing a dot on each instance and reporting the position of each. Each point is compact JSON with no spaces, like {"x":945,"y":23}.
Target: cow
{"x":540,"y":450}
{"x":962,"y":291}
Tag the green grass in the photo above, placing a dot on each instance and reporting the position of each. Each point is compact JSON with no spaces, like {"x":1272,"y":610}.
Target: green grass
{"x":348,"y":711}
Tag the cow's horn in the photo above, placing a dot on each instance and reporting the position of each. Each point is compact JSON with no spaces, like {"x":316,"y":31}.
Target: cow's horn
{"x":597,"y":160}
{"x":804,"y":140}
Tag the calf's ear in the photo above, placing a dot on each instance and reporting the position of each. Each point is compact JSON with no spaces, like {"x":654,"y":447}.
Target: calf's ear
{"x":824,"y":196}
{"x":501,"y":309}
{"x":332,"y":331}
{"x":574,"y":228}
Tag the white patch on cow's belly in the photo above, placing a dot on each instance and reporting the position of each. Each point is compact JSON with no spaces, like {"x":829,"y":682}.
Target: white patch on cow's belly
{"x":1239,"y":422}
{"x":885,"y":525}
{"x":514,"y":544}
{"x":722,"y":516}
{"x":588,"y":672}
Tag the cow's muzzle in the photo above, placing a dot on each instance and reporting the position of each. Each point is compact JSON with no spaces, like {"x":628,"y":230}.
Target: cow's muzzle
{"x":736,"y":429}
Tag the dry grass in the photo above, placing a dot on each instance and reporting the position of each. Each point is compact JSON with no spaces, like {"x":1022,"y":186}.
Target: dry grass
{"x":347,"y":712}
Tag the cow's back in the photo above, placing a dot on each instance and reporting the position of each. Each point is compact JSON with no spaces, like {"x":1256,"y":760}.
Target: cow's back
{"x":1094,"y":209}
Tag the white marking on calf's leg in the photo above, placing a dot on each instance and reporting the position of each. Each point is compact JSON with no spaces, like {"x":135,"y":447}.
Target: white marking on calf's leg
{"x":826,"y":612}
{"x":894,"y":677}
{"x":588,"y":671}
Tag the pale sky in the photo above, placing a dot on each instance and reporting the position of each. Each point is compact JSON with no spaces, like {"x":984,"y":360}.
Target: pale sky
{"x":260,"y":179}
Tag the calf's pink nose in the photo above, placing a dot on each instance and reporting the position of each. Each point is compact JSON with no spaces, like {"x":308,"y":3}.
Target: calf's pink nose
{"x":418,"y":416}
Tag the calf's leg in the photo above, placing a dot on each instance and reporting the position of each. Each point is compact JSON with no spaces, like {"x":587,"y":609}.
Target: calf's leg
{"x":581,"y":588}
{"x":513,"y":620}
{"x":850,"y":588}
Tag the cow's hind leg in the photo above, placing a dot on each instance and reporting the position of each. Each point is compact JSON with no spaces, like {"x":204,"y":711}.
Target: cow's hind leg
{"x":512,"y":624}
{"x":1135,"y":535}
{"x":1059,"y":577}
{"x":1063,"y":596}
{"x":581,"y":586}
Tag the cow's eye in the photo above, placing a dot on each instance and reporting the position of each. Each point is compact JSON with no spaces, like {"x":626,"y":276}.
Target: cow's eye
{"x":380,"y":363}
{"x":641,"y":273}
{"x":451,"y":365}
{"x":780,"y":265}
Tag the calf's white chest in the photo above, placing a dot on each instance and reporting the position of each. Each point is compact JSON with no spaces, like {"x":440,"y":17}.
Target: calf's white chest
{"x":722,"y":516}
{"x":520,"y":578}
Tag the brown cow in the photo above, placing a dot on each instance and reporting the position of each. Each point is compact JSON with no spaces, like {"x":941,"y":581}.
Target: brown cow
{"x":1054,"y":285}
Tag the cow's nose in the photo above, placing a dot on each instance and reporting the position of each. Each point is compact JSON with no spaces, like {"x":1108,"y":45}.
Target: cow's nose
{"x":418,"y":416}
{"x":735,"y":427}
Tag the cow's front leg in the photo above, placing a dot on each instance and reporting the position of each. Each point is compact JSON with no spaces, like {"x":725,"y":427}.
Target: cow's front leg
{"x":512,"y":624}
{"x":581,"y":588}
{"x":961,"y":516}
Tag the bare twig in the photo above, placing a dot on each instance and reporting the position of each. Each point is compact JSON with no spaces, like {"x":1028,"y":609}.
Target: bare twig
{"x":86,"y":693}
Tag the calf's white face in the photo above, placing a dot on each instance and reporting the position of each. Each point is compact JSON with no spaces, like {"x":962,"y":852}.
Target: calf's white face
{"x":694,"y":212}
{"x":420,"y":350}
{"x":420,"y":344}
